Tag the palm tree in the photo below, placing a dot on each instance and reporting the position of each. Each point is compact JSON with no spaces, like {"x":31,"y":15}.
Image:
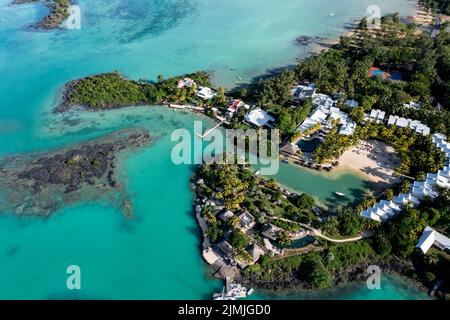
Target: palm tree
{"x":234,"y":221}
{"x":284,"y":238}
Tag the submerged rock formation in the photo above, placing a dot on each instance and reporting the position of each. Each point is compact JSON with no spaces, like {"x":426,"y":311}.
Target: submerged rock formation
{"x":41,"y":184}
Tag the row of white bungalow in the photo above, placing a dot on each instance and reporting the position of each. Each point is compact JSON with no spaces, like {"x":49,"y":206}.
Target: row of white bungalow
{"x":415,"y":125}
{"x":385,"y":210}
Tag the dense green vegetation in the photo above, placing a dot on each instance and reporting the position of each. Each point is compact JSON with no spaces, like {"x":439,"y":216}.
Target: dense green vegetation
{"x":59,"y":11}
{"x":404,"y":231}
{"x":423,"y":62}
{"x":112,"y":90}
{"x":318,"y":270}
{"x":240,"y":189}
{"x":438,"y":5}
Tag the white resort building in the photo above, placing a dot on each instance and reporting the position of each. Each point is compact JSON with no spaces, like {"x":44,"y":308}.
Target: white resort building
{"x":386,"y":210}
{"x":325,"y":111}
{"x":413,"y":105}
{"x":431,"y":237}
{"x":352,"y":104}
{"x":415,"y":125}
{"x":186,"y":83}
{"x":205,"y":93}
{"x":259,"y":118}
{"x":376,"y":115}
{"x":301,"y":92}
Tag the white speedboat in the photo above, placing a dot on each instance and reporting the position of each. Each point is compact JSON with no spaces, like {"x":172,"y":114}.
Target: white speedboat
{"x":233,"y":292}
{"x":340,"y":194}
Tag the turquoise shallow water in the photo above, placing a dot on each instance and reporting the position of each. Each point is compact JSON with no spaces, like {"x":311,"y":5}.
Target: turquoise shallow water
{"x":322,"y":185}
{"x":393,"y":287}
{"x":157,"y":254}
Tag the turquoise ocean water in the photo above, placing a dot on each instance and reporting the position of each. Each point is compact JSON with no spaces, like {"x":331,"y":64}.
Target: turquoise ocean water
{"x":157,"y":254}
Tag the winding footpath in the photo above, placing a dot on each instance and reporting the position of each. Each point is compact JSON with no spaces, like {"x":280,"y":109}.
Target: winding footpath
{"x":316,"y":232}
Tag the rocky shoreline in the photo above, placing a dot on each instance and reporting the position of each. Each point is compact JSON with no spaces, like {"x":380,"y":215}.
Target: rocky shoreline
{"x":354,"y":275}
{"x":41,"y":184}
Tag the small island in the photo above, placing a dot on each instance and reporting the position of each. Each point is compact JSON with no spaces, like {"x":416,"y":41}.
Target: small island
{"x":112,"y":90}
{"x":59,"y":11}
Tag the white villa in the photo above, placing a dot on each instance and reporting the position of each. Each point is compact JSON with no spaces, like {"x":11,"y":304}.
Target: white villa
{"x":348,"y":129}
{"x":415,"y":125}
{"x":431,"y":237}
{"x":376,"y":115}
{"x":247,"y":221}
{"x":323,"y":101}
{"x":351,"y":103}
{"x":259,"y":118}
{"x":413,"y":105}
{"x":325,"y":111}
{"x":303,"y":92}
{"x":385,"y":210}
{"x":205,"y":93}
{"x":186,"y":83}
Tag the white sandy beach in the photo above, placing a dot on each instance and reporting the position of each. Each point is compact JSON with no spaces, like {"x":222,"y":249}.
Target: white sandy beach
{"x":374,"y":160}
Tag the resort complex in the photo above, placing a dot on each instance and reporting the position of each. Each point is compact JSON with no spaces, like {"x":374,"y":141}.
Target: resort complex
{"x":359,"y":136}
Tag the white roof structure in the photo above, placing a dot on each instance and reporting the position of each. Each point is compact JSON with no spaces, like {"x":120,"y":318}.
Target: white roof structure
{"x":413,"y":105}
{"x":225,"y":216}
{"x":247,"y":221}
{"x":337,"y":114}
{"x":382,"y":211}
{"x":415,"y":125}
{"x":403,"y":122}
{"x":431,"y":237}
{"x":323,"y":100}
{"x":348,"y":129}
{"x":259,"y":118}
{"x":318,"y":116}
{"x":385,"y":210}
{"x":206,"y":93}
{"x":419,"y":127}
{"x":377,"y":115}
{"x":303,"y":92}
{"x":186,"y":83}
{"x":352,"y":103}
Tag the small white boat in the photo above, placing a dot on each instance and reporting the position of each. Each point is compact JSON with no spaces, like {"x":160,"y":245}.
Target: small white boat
{"x":250,"y":292}
{"x":340,"y":194}
{"x":331,"y":14}
{"x":232,"y":292}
